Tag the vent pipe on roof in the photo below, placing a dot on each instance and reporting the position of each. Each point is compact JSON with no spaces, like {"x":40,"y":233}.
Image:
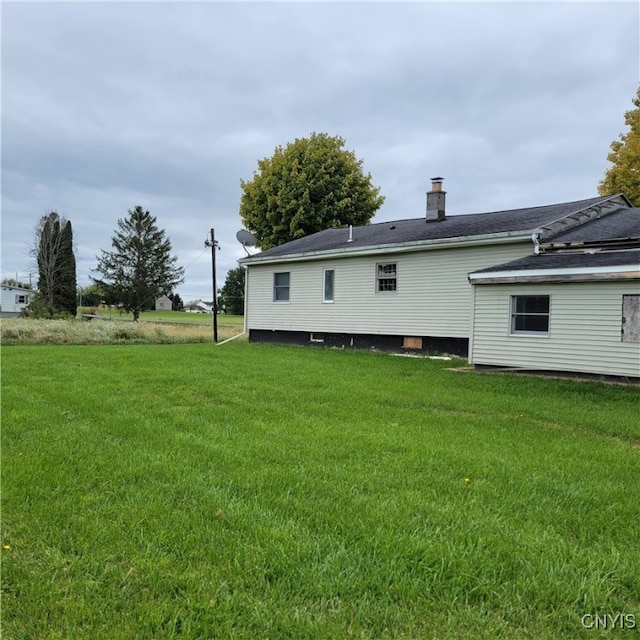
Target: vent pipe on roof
{"x":435,"y":201}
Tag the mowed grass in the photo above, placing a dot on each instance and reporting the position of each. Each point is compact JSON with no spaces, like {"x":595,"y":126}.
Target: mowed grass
{"x":255,"y":491}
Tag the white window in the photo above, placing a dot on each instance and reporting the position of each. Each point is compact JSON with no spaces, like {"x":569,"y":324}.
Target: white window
{"x":22,"y":299}
{"x":281,"y":287}
{"x":328,"y":284}
{"x":631,"y":318}
{"x":386,"y":277}
{"x":530,"y":315}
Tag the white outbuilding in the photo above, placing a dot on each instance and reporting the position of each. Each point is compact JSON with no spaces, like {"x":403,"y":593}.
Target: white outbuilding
{"x":14,"y":300}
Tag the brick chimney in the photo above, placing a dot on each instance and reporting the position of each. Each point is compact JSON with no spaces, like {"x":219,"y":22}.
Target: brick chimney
{"x":435,"y":201}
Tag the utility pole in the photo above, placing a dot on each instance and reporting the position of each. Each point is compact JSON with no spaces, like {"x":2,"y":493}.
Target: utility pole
{"x":211,"y":242}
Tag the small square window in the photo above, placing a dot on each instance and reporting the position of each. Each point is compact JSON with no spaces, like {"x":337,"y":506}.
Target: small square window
{"x":386,"y":279}
{"x":281,"y":287}
{"x":530,"y":315}
{"x":329,"y":280}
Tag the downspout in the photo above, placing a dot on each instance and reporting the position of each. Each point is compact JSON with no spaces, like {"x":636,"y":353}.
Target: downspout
{"x":246,"y":304}
{"x":535,"y":238}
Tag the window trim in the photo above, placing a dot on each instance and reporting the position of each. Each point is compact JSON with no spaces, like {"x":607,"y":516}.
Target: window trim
{"x":513,"y":314}
{"x":325,"y":299}
{"x":380,"y":279}
{"x":280,"y":287}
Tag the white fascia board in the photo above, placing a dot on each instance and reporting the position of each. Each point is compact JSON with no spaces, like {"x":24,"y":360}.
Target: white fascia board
{"x":631,"y":270}
{"x":402,"y":247}
{"x":10,"y":287}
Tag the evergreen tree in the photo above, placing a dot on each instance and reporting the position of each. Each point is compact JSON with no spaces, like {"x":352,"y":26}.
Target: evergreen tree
{"x":232,"y":293}
{"x":56,"y":264}
{"x":624,"y":174}
{"x":176,"y":302}
{"x":140,"y":267}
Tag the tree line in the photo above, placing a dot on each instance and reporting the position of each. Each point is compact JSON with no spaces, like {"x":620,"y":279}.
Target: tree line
{"x":310,"y":185}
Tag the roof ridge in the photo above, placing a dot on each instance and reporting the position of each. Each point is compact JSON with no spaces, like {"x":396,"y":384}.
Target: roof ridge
{"x":592,"y":201}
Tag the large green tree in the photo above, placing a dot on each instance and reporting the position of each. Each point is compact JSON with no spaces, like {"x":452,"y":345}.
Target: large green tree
{"x":231,"y":296}
{"x":139,"y":268}
{"x":56,"y":264}
{"x":310,"y":185}
{"x":624,"y":174}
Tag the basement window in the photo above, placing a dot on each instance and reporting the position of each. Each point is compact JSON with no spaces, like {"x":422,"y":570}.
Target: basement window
{"x":530,"y":315}
{"x":386,"y":278}
{"x":281,"y":286}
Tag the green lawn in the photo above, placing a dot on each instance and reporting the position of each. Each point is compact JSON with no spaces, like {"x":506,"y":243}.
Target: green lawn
{"x":255,"y":491}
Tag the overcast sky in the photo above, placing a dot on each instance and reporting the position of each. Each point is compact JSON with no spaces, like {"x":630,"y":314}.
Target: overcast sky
{"x":168,"y":105}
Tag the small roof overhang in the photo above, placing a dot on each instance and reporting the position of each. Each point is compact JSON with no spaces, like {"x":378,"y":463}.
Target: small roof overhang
{"x":572,"y":266}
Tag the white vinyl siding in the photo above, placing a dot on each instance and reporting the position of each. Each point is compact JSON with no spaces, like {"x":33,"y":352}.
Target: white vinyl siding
{"x":584,"y":329}
{"x":630,"y":329}
{"x":433,"y":296}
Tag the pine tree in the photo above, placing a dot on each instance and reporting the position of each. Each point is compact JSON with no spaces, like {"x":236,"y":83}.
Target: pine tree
{"x":140,"y":267}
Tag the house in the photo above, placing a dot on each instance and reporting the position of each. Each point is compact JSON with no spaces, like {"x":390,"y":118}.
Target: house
{"x":572,"y":305}
{"x":163,"y":303}
{"x":198,"y":306}
{"x":405,"y":285}
{"x":14,"y":300}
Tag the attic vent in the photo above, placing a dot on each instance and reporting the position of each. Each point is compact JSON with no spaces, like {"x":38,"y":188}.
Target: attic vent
{"x":436,"y":201}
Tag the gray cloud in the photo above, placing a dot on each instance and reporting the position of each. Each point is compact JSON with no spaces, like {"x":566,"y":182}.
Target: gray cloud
{"x":168,"y":105}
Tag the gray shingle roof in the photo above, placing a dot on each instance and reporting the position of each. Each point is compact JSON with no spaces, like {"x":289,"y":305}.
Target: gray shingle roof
{"x":624,"y":223}
{"x":570,"y":260}
{"x":418,"y":230}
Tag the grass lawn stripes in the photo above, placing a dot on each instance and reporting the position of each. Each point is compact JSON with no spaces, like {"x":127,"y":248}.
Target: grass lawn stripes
{"x":255,"y":491}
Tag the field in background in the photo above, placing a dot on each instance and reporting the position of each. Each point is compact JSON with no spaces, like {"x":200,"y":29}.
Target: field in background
{"x":255,"y":491}
{"x":159,"y":327}
{"x":178,"y":317}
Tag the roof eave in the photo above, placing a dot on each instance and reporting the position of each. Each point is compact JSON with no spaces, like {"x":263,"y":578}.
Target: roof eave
{"x":575,"y":274}
{"x":393,"y":248}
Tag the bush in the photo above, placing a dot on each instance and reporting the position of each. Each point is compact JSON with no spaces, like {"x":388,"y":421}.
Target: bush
{"x":38,"y":308}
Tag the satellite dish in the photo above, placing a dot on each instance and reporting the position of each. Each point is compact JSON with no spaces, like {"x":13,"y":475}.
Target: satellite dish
{"x":246,"y":238}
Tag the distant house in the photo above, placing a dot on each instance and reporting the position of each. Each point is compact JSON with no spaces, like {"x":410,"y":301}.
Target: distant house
{"x":418,"y":284}
{"x":199,"y":306}
{"x":14,"y":300}
{"x":163,"y":303}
